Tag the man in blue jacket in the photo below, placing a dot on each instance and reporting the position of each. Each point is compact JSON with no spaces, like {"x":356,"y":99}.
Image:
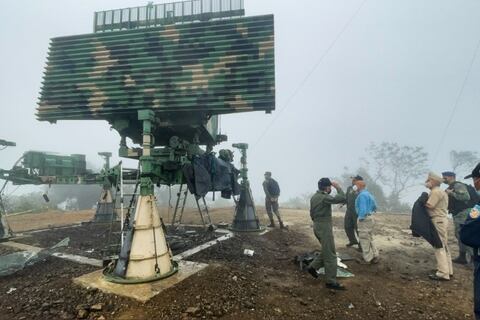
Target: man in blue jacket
{"x":366,"y":206}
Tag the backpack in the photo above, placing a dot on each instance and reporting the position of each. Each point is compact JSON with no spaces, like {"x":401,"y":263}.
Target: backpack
{"x":470,"y":231}
{"x":474,"y":196}
{"x":457,"y":206}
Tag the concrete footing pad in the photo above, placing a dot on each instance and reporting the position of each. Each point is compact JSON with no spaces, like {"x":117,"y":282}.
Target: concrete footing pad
{"x":141,"y":292}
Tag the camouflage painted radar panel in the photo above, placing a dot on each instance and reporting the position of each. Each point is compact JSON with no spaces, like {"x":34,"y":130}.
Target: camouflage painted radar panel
{"x":215,"y":67}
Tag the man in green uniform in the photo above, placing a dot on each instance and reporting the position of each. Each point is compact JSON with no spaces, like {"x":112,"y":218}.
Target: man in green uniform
{"x":272,"y":192}
{"x":459,"y":206}
{"x":321,"y":214}
{"x":350,"y":221}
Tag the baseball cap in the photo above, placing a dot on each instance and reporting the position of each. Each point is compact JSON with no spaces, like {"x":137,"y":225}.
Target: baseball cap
{"x":475,"y":172}
{"x":448,"y":174}
{"x":324,"y":182}
{"x":357,"y":177}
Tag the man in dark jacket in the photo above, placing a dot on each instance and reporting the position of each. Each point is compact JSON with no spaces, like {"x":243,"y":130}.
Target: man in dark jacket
{"x":474,"y":215}
{"x":272,"y":192}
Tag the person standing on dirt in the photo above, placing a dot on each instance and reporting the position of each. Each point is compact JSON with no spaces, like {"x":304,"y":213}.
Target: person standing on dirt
{"x":471,"y":229}
{"x":272,"y":192}
{"x":459,"y":206}
{"x":366,"y":206}
{"x":321,"y":214}
{"x":437,"y":208}
{"x":350,"y":220}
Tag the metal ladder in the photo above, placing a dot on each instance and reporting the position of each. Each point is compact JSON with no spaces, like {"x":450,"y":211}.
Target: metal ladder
{"x":127,"y":202}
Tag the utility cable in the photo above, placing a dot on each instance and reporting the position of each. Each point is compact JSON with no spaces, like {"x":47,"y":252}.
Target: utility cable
{"x":456,"y":104}
{"x":311,"y":72}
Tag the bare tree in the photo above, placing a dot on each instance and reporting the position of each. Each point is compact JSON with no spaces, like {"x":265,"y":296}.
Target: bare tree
{"x":463,"y":159}
{"x":378,"y":161}
{"x":397,"y":167}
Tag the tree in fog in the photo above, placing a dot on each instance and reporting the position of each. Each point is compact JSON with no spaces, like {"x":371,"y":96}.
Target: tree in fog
{"x":298,"y":202}
{"x":397,"y":167}
{"x":29,"y":202}
{"x":463,"y":160}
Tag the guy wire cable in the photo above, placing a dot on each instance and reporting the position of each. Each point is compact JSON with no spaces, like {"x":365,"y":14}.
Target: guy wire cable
{"x":310,"y":73}
{"x":456,"y":104}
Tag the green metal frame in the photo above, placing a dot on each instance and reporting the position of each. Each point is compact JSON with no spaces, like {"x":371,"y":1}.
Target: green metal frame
{"x":5,"y":143}
{"x":39,"y":168}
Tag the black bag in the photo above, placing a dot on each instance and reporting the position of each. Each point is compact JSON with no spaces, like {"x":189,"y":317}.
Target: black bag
{"x":456,"y":206}
{"x":470,"y":231}
{"x":474,"y":196}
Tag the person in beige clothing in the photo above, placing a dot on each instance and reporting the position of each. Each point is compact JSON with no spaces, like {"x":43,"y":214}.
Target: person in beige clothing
{"x":437,"y":207}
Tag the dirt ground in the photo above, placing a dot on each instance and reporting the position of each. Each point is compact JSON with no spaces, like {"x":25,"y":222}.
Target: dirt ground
{"x":34,"y":221}
{"x":102,"y":235}
{"x":266,"y":286}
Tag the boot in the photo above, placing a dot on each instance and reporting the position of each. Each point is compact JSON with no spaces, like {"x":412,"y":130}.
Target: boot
{"x":461,"y":259}
{"x":282,"y":226}
{"x":336,"y":286}
{"x":312,"y":272}
{"x":271,"y":225}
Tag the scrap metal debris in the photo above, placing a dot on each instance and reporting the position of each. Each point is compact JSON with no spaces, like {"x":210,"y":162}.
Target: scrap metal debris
{"x":14,"y":262}
{"x":248,"y":252}
{"x":304,"y":260}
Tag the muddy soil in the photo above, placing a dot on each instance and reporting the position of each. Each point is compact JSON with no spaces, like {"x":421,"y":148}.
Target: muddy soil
{"x":46,"y":291}
{"x":51,"y":219}
{"x":91,"y":239}
{"x":267,"y":285}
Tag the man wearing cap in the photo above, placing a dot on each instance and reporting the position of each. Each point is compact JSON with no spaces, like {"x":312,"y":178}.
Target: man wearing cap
{"x":475,"y":175}
{"x":459,"y":206}
{"x":350,"y":220}
{"x":437,"y":208}
{"x":272,"y":192}
{"x":366,"y":206}
{"x":321,"y":214}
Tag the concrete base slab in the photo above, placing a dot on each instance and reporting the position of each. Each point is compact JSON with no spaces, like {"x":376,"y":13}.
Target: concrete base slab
{"x":141,"y":292}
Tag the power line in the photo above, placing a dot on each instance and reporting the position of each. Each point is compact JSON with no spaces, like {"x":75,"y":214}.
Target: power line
{"x":310,"y":73}
{"x":456,"y":104}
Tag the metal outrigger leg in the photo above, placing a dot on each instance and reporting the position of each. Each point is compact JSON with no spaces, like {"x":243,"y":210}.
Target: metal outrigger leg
{"x":204,"y":213}
{"x":202,"y":208}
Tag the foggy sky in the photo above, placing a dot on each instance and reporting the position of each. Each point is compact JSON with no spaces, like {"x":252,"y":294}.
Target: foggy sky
{"x":393,"y":75}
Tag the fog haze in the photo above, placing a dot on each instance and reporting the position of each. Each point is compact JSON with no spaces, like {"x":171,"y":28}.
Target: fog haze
{"x":394,"y":74}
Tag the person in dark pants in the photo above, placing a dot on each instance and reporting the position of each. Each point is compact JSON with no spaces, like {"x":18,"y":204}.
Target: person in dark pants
{"x":350,"y":220}
{"x":476,"y":284}
{"x":272,"y":192}
{"x":321,"y":214}
{"x":474,"y":216}
{"x":459,"y":206}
